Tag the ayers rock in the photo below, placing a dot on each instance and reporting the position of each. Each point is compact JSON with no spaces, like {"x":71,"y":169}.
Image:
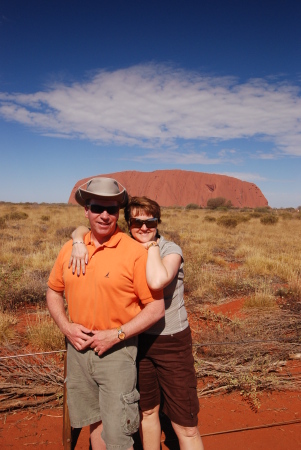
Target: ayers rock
{"x":180,"y":187}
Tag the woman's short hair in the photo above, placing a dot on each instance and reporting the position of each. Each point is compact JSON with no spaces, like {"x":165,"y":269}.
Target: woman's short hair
{"x":142,"y":205}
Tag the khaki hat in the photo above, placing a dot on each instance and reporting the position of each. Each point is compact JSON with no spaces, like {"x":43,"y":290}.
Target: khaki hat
{"x":101,"y":188}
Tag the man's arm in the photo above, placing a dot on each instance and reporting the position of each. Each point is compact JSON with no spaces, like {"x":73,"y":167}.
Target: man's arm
{"x":151,"y":313}
{"x":75,"y":333}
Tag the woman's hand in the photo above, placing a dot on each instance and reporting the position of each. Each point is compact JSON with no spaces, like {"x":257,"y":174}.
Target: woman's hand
{"x":149,"y":244}
{"x":79,"y":258}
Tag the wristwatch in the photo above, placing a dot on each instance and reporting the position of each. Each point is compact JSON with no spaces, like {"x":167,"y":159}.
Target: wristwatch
{"x":121,"y":334}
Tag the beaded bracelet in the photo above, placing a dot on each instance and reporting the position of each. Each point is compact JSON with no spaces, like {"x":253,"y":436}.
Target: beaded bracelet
{"x":153,"y":244}
{"x":78,"y":242}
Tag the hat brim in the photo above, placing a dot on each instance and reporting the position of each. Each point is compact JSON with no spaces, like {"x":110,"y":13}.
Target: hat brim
{"x":82,"y":196}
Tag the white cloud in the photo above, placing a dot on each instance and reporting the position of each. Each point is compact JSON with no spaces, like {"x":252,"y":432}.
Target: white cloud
{"x":177,"y":158}
{"x":152,"y":106}
{"x":251,"y":177}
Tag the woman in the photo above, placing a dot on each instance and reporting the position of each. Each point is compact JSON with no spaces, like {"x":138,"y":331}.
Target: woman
{"x":166,"y":366}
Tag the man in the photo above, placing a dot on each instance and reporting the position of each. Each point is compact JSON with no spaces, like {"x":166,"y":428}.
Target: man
{"x":108,"y":308}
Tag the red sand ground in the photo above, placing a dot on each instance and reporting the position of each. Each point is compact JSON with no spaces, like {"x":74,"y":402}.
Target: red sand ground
{"x":228,"y":415}
{"x":226,"y":422}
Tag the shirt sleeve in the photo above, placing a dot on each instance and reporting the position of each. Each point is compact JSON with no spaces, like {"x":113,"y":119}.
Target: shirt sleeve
{"x":56,"y":277}
{"x":170,"y":248}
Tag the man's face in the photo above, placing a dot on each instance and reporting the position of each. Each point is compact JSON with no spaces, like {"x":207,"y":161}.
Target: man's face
{"x":102,"y":222}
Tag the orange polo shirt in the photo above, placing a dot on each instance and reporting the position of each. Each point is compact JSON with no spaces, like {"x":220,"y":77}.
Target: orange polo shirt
{"x":114,"y":288}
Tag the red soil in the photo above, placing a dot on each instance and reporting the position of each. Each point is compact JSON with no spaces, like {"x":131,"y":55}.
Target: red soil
{"x":226,"y":421}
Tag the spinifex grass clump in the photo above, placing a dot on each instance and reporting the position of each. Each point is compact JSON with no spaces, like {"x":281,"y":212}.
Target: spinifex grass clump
{"x":43,"y":334}
{"x":7,"y":331}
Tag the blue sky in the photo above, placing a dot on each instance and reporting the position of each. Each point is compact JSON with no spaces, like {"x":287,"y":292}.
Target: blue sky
{"x":99,"y":86}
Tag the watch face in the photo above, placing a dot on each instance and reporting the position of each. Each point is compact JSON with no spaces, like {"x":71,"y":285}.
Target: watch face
{"x":121,"y":334}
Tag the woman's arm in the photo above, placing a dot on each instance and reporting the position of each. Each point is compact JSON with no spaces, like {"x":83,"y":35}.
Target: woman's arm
{"x":160,"y":272}
{"x":79,"y":256}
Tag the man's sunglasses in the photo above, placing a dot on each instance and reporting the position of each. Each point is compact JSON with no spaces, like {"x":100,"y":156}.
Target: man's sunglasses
{"x":149,"y":223}
{"x":98,"y":209}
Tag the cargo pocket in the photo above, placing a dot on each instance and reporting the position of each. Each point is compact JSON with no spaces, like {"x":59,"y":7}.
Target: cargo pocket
{"x":130,"y":412}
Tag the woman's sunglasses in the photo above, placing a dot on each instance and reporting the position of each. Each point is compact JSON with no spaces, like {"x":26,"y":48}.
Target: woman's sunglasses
{"x":99,"y":209}
{"x":149,"y":223}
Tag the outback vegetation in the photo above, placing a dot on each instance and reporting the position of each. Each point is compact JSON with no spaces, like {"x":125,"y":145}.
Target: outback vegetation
{"x":248,"y":258}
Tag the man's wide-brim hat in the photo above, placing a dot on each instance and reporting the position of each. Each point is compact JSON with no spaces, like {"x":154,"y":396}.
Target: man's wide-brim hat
{"x":101,"y":188}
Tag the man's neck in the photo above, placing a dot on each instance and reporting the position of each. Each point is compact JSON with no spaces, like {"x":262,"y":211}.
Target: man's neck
{"x":100,"y":240}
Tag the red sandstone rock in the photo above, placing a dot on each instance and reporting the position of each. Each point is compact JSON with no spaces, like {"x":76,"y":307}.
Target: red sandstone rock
{"x":180,"y":187}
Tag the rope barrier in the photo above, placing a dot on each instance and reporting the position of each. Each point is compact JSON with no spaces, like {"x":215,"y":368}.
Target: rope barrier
{"x":31,"y":354}
{"x":238,"y":430}
{"x":279,"y":341}
{"x":205,"y":344}
{"x":258,"y":427}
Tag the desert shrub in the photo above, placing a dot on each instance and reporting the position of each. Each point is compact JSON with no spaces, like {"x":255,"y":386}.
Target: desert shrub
{"x":269,"y":219}
{"x":262,"y":209}
{"x":16,"y":215}
{"x":214,"y":203}
{"x":209,"y":219}
{"x":291,"y":210}
{"x":245,"y":209}
{"x":255,"y":214}
{"x":286,"y":216}
{"x":2,"y":223}
{"x":10,"y":277}
{"x":227,"y":221}
{"x":192,"y":206}
{"x":243,"y":218}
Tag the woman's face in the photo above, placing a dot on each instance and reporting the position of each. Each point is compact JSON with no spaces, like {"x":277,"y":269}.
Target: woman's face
{"x":142,"y":233}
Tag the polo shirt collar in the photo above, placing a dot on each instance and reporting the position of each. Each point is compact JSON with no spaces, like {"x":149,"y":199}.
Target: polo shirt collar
{"x":112,"y":242}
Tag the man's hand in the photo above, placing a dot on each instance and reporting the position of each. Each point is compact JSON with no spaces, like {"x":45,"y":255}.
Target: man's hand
{"x":103,"y":340}
{"x":78,"y":336}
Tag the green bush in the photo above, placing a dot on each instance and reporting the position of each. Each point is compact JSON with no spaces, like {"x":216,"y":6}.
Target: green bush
{"x":192,"y":206}
{"x":227,"y":221}
{"x":269,"y":219}
{"x":214,"y":203}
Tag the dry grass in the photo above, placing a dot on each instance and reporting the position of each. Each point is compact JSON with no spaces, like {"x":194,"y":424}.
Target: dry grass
{"x":7,"y":331}
{"x":43,"y":334}
{"x":254,"y":261}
